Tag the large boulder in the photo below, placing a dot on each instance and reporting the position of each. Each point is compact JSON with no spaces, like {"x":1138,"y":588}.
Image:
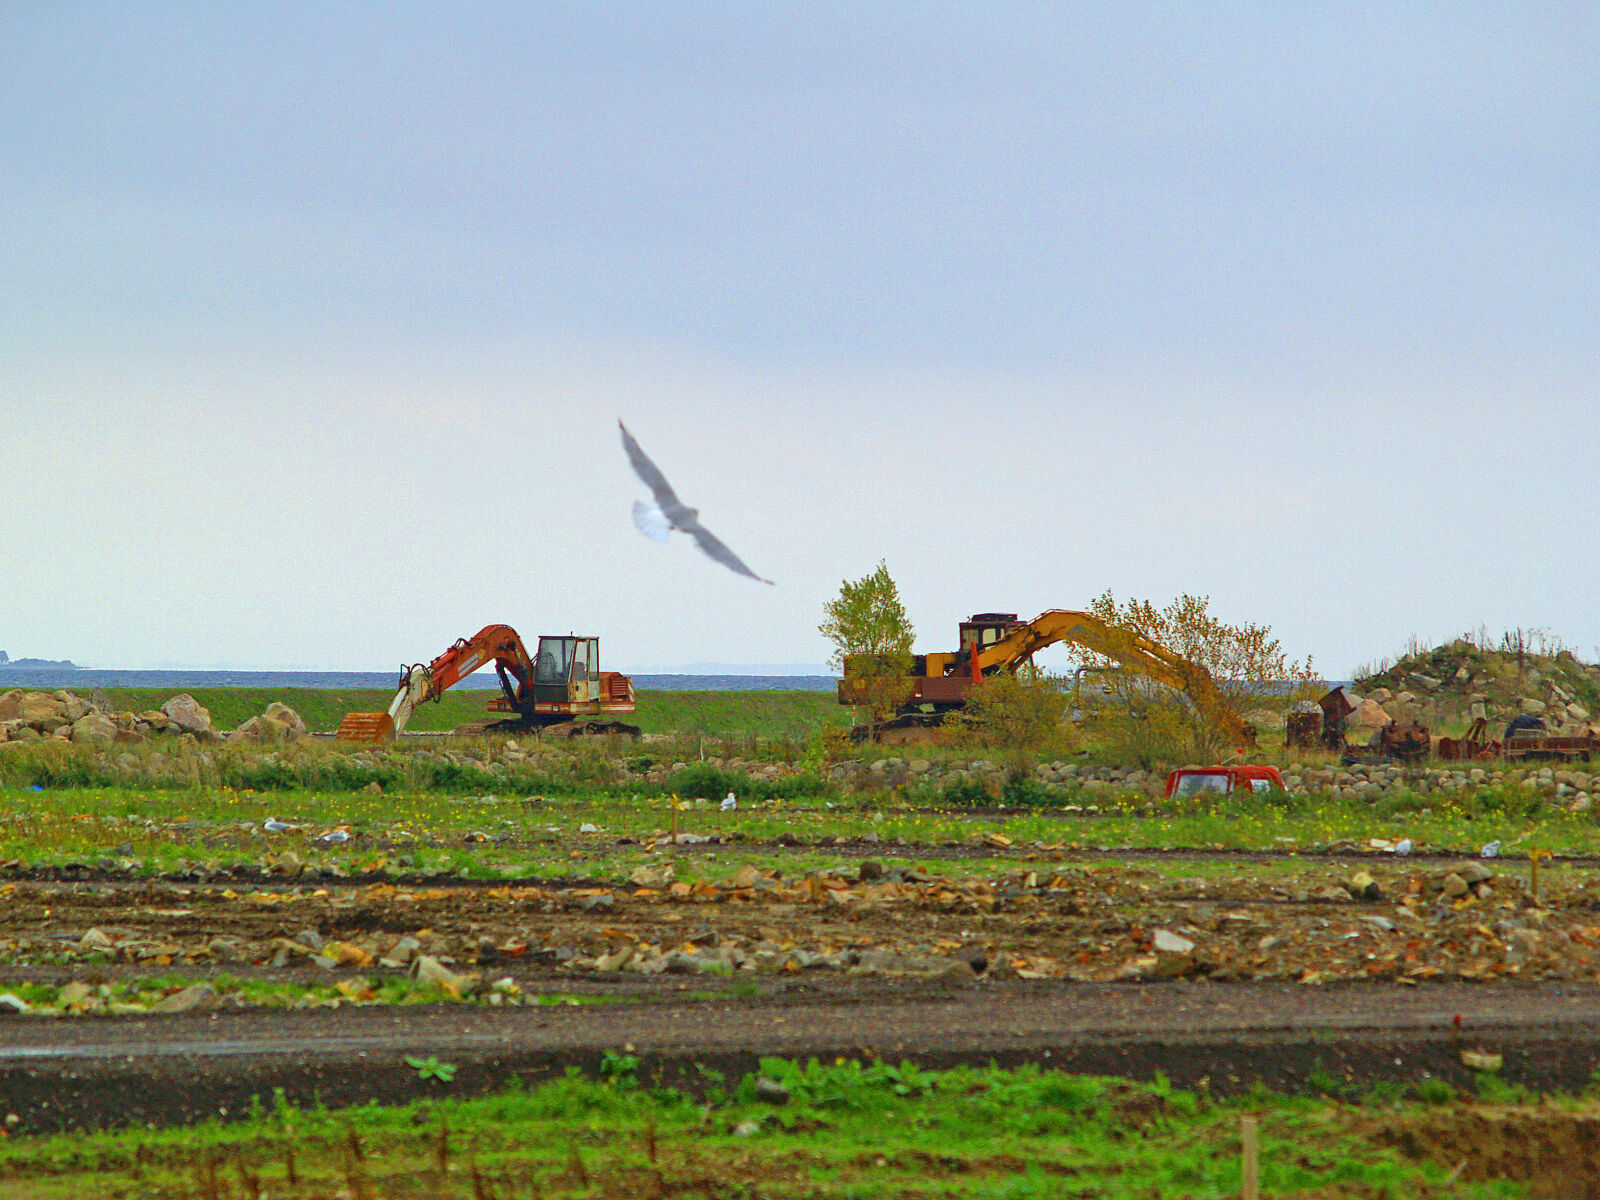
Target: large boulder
{"x":94,"y":726}
{"x":11,"y":705}
{"x":188,"y":714}
{"x":288,"y":717}
{"x":1369,"y":714}
{"x":279,"y":723}
{"x":43,"y":711}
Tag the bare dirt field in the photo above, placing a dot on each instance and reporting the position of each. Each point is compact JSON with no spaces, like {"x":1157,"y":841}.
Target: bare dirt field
{"x":1253,"y":969}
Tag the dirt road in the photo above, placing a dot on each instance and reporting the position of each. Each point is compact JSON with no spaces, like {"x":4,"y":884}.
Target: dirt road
{"x":58,"y":1074}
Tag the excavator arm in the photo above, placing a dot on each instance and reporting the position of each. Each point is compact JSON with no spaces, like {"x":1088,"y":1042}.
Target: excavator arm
{"x":493,"y":643}
{"x":1132,"y":650}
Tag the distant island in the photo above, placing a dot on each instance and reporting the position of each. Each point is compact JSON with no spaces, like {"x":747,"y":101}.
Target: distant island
{"x":53,"y":664}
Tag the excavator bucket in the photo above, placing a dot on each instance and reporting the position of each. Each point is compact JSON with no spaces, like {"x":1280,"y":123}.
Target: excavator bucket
{"x":370,"y":727}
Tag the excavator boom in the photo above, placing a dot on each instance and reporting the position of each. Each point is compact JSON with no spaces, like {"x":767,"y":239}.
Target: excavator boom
{"x":1132,"y":650}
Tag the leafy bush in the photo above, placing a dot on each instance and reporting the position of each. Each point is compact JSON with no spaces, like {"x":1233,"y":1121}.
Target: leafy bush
{"x":965,"y":793}
{"x":704,"y":781}
{"x":1024,"y":791}
{"x":708,"y":782}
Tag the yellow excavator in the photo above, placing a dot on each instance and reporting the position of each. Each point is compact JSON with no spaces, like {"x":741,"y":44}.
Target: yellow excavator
{"x":1000,"y":643}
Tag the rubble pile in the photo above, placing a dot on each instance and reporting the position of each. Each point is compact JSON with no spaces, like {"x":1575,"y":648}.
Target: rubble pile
{"x":65,"y":717}
{"x":1459,"y":681}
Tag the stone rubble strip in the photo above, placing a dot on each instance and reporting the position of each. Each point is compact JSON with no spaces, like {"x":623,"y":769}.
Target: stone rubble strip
{"x":1462,"y":921}
{"x":62,"y":716}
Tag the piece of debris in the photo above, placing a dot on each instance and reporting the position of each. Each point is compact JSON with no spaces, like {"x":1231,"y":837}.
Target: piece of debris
{"x":199,"y":997}
{"x":1164,"y":941}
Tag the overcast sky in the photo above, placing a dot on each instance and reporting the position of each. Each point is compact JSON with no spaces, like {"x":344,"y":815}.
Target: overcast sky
{"x":316,"y":321}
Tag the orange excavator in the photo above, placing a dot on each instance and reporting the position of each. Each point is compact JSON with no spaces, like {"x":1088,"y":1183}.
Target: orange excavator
{"x":560,"y":689}
{"x":999,"y":643}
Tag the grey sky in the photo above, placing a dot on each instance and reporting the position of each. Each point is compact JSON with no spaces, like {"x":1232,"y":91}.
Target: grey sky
{"x":316,"y":321}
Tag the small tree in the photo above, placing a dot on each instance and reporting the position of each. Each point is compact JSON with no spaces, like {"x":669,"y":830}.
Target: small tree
{"x":1152,"y":722}
{"x":1019,"y":714}
{"x":868,"y":624}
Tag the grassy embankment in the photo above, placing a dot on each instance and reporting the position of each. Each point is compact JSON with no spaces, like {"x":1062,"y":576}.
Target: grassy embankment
{"x":849,"y":1129}
{"x":793,"y":714}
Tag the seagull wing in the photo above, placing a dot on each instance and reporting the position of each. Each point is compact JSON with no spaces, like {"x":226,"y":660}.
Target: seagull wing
{"x":666,"y":499}
{"x":652,"y":522}
{"x":713,"y":547}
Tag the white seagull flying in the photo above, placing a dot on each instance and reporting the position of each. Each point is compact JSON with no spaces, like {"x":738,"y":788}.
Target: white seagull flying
{"x":668,"y":512}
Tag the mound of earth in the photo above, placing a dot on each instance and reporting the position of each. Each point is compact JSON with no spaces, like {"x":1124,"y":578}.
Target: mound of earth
{"x":1457,"y":681}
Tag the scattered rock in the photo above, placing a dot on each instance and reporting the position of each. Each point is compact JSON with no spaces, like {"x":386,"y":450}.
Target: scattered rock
{"x":770,"y":1091}
{"x":1164,"y":941}
{"x":653,"y":877}
{"x":1473,"y":872}
{"x":1364,"y":887}
{"x":427,"y":969}
{"x":199,"y":997}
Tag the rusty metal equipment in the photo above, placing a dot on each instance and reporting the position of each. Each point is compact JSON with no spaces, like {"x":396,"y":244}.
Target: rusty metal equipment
{"x":555,"y":689}
{"x":1552,"y":746}
{"x":999,"y":643}
{"x":1408,"y":743}
{"x":1473,"y":745}
{"x":1302,"y":730}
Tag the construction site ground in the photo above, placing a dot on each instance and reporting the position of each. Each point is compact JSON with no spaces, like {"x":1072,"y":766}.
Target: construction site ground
{"x":1217,"y":971}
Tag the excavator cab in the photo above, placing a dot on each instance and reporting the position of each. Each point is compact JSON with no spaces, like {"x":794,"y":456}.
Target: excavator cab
{"x":978,"y":633}
{"x":566,"y":670}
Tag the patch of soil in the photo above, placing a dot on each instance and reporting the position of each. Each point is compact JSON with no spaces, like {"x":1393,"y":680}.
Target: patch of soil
{"x":1554,"y":1149}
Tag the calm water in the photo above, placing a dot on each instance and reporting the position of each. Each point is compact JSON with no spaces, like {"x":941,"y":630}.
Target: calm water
{"x":49,"y":679}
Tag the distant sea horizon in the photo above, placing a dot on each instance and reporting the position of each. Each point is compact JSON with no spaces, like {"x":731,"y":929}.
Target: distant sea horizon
{"x":50,"y":678}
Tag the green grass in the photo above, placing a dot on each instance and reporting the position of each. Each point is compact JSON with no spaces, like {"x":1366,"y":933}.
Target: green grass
{"x":424,"y":831}
{"x":793,"y":714}
{"x":850,"y":1129}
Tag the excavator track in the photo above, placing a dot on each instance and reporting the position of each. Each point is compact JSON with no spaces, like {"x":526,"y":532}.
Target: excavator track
{"x":561,"y":729}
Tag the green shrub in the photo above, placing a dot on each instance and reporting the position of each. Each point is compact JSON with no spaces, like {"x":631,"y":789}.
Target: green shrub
{"x":965,"y":793}
{"x":1024,"y":791}
{"x":704,"y":781}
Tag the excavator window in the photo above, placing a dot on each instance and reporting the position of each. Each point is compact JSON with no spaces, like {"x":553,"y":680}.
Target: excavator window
{"x":554,"y":664}
{"x":583,"y":661}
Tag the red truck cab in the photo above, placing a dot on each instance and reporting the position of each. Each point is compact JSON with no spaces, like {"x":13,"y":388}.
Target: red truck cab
{"x":1194,"y":781}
